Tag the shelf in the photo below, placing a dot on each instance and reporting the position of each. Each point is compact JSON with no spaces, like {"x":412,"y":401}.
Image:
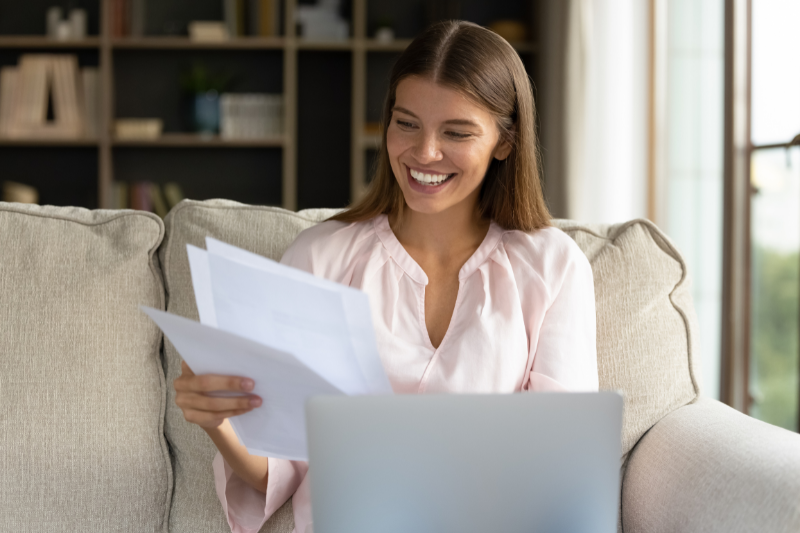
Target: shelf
{"x":184,"y":43}
{"x":398,"y":45}
{"x":7,"y":141}
{"x":306,"y":44}
{"x":41,"y":41}
{"x":192,"y":140}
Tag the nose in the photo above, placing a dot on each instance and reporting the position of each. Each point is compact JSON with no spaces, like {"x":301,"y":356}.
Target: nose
{"x":426,"y":148}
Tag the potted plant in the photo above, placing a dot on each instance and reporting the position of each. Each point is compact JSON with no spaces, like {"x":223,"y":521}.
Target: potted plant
{"x":202,"y":88}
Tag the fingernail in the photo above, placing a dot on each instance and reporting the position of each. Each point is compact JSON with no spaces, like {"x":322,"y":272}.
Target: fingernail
{"x":247,"y":384}
{"x":255,"y":402}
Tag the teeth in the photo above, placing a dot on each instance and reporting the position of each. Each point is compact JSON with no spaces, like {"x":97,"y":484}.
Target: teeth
{"x":432,"y":179}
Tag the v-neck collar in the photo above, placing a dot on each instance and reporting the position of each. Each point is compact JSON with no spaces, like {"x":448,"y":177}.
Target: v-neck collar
{"x":414,"y":271}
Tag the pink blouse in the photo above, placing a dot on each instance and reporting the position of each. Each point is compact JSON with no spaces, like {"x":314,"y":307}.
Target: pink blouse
{"x":524,"y":319}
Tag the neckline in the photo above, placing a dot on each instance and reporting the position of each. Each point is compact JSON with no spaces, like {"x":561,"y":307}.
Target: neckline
{"x":414,"y":271}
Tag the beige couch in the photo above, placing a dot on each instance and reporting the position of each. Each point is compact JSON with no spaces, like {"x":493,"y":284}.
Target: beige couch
{"x":91,"y":440}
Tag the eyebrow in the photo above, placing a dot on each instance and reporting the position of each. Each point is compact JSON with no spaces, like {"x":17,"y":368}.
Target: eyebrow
{"x":456,"y":121}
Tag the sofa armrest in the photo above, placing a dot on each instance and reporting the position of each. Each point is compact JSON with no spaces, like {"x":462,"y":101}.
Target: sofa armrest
{"x":707,"y":467}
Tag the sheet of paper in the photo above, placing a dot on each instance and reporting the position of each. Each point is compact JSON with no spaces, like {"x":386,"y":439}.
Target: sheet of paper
{"x":277,"y":427}
{"x":201,"y":283}
{"x":292,"y":316}
{"x":354,"y":302}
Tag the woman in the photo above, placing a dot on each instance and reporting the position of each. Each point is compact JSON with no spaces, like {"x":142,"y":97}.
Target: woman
{"x":471,"y":290}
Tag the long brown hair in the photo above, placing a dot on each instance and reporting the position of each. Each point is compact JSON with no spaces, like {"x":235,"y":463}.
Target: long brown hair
{"x":483,"y":66}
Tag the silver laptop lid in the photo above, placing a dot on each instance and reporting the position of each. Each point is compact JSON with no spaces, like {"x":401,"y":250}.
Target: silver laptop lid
{"x":531,"y":462}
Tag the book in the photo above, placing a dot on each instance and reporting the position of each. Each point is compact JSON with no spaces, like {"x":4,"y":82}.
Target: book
{"x":141,"y":196}
{"x":269,"y":18}
{"x":9,"y":77}
{"x":32,"y":94}
{"x":67,"y":107}
{"x":138,"y":17}
{"x":119,"y":195}
{"x":90,"y":84}
{"x":173,"y":194}
{"x":157,"y":199}
{"x":234,"y":15}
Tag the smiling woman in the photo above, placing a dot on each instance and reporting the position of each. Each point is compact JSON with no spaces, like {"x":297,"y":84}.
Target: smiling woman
{"x":489,"y":94}
{"x":470,"y":288}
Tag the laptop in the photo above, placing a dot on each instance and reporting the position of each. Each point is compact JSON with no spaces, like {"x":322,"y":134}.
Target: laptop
{"x":476,"y":463}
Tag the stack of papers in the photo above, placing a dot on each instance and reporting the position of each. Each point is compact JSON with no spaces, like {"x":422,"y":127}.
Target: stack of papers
{"x":294,"y":334}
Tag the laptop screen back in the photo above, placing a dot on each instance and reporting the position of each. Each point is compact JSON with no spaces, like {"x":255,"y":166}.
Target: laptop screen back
{"x":465,"y":463}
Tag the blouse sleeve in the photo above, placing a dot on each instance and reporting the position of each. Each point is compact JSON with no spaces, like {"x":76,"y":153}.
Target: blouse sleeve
{"x":565,"y":356}
{"x":246,"y":508}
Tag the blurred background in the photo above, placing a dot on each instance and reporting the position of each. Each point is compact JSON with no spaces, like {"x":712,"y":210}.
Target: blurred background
{"x":680,"y":111}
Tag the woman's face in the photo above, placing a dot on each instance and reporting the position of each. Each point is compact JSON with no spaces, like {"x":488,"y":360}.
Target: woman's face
{"x":440,"y":145}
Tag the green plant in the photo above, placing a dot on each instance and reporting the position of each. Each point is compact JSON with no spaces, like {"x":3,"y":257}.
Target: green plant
{"x":200,"y":79}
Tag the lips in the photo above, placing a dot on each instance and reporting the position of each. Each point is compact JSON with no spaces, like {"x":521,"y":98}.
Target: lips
{"x":431,"y":187}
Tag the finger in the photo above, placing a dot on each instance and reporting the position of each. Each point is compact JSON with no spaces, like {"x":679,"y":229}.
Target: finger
{"x":203,"y":418}
{"x":214,"y":382}
{"x":201,"y":402}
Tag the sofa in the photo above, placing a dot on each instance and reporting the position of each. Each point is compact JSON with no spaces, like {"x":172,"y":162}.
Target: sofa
{"x":91,"y":439}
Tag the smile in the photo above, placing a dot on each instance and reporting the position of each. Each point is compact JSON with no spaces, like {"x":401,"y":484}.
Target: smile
{"x":429,"y":179}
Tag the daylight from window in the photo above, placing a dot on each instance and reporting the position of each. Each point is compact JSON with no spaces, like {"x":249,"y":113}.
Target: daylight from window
{"x":775,"y":213}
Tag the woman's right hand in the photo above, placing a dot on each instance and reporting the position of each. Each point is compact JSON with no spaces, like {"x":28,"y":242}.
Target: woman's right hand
{"x":206,"y":411}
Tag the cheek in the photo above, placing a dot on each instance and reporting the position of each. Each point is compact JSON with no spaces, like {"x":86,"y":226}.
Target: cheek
{"x":471,"y":159}
{"x":396,"y":144}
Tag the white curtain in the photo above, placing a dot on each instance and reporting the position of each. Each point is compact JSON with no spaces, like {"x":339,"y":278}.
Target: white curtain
{"x":605,"y":111}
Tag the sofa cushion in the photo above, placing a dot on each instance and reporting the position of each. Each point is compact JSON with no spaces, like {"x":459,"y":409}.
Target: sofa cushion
{"x":82,"y":391}
{"x":267,"y":231}
{"x":647,"y":345}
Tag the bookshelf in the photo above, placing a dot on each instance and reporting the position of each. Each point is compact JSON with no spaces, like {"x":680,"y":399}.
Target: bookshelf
{"x":332,"y":91}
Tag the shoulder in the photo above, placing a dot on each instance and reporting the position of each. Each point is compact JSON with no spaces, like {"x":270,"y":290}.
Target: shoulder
{"x":548,"y":254}
{"x":546,"y":247}
{"x":329,"y":246}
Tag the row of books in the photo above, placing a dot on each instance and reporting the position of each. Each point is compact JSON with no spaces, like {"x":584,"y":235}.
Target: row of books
{"x":49,"y":85}
{"x":127,"y":18}
{"x":260,"y":18}
{"x":256,"y":18}
{"x":146,"y":196}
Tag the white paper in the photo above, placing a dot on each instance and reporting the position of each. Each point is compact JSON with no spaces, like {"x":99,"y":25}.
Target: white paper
{"x":355,"y":305}
{"x":277,"y":427}
{"x":201,"y":283}
{"x":292,"y":316}
{"x":294,"y":334}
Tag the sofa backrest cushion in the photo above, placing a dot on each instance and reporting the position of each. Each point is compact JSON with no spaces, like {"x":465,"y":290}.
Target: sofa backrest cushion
{"x":82,"y":391}
{"x":267,"y":231}
{"x":647,"y":340}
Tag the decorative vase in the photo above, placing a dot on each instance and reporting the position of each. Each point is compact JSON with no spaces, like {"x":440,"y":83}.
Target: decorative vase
{"x":206,"y":112}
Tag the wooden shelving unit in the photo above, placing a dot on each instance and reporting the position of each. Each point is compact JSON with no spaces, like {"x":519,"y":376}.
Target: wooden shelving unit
{"x":289,"y":57}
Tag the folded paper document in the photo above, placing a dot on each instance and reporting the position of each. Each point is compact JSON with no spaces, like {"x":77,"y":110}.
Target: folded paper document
{"x":294,"y":334}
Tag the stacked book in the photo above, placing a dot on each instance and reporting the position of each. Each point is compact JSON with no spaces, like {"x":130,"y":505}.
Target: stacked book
{"x":251,"y":115}
{"x":43,"y":85}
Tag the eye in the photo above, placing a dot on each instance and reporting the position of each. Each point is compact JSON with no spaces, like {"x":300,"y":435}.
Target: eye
{"x":404,"y":124}
{"x":457,"y":135}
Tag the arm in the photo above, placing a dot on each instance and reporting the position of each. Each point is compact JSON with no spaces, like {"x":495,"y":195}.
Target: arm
{"x":252,"y":469}
{"x":565,"y":357}
{"x":211,"y":414}
{"x":707,"y":467}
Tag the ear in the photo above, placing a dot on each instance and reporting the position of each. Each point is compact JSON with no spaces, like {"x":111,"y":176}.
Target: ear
{"x":502,"y":150}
